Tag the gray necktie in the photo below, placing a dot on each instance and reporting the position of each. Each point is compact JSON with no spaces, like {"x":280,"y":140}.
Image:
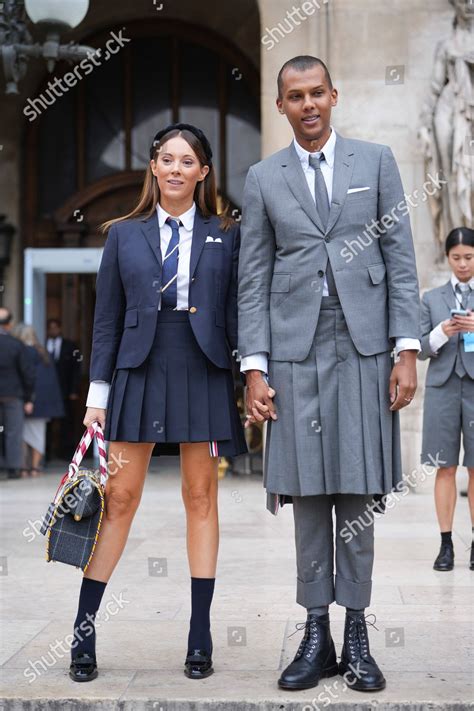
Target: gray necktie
{"x":322,"y":206}
{"x":463,"y":290}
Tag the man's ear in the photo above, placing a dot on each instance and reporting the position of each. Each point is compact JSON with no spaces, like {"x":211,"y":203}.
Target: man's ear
{"x":279,"y":105}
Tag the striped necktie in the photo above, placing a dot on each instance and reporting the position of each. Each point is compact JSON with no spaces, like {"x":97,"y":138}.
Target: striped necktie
{"x":323,"y":207}
{"x":169,"y":272}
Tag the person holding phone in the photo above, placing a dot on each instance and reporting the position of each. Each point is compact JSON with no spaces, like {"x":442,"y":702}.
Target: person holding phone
{"x":164,"y":337}
{"x":447,"y":319}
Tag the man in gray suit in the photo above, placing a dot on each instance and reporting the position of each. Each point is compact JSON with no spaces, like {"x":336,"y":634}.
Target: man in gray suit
{"x":327,"y":288}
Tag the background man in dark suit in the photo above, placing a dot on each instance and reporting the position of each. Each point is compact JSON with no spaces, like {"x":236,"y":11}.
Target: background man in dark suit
{"x":67,"y":359}
{"x":17,"y":379}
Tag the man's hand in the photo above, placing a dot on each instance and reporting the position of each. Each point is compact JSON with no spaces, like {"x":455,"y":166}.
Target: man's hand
{"x":258,"y":399}
{"x":404,"y":376}
{"x":28,"y":408}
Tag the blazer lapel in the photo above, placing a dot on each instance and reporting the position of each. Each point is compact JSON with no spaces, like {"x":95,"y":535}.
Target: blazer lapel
{"x":448,"y":295}
{"x":151,"y":230}
{"x":343,"y":167}
{"x":200,"y":232}
{"x":296,"y":179}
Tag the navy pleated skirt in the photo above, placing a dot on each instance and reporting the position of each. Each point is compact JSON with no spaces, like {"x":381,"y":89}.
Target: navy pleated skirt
{"x":176,"y":395}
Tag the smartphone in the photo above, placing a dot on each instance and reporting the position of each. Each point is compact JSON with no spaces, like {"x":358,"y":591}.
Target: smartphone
{"x":459,"y":312}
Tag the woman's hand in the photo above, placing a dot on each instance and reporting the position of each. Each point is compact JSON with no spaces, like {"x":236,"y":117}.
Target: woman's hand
{"x":465,"y":323}
{"x":259,"y":401}
{"x":450,"y":327}
{"x":94,"y":414}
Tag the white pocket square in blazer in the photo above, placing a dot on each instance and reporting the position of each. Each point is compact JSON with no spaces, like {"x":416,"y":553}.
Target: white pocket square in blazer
{"x":357,"y":190}
{"x":213,"y":239}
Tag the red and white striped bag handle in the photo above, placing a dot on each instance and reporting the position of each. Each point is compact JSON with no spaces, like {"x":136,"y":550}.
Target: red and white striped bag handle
{"x":94,"y":429}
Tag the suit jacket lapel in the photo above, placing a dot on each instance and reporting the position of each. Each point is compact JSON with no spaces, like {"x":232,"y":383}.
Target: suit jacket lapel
{"x":151,"y":230}
{"x":200,"y":232}
{"x":296,"y":179}
{"x":342,"y":174}
{"x":448,"y":295}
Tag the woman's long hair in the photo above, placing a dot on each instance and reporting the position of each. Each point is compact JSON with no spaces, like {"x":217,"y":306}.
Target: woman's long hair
{"x":27,"y":334}
{"x":205,"y":193}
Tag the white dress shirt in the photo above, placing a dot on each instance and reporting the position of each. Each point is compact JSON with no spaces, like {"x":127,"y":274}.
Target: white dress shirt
{"x":259,"y":361}
{"x":437,"y":336}
{"x":53,"y":346}
{"x":99,"y":389}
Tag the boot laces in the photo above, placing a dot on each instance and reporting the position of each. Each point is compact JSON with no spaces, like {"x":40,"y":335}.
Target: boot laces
{"x":357,"y":636}
{"x":310,"y":638}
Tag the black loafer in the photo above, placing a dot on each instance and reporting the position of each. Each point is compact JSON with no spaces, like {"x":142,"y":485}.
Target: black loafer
{"x":83,"y":668}
{"x":445,"y":558}
{"x":198,"y":664}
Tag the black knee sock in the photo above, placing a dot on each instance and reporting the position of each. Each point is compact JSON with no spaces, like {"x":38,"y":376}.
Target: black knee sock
{"x":446,"y":537}
{"x":199,"y":637}
{"x":84,"y":629}
{"x":353,"y":610}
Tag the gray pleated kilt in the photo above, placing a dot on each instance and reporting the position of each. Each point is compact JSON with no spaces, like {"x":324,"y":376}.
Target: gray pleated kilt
{"x":335,"y":433}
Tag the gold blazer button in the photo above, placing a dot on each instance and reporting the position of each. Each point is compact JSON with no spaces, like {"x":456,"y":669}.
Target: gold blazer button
{"x":192,"y":310}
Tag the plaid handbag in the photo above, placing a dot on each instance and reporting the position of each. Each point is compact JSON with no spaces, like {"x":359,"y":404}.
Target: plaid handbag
{"x":72,"y":521}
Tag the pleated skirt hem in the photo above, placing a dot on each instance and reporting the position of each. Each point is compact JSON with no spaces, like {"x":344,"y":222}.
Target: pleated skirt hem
{"x":177,"y":395}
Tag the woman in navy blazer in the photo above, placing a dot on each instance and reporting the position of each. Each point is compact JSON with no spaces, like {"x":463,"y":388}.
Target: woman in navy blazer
{"x":164,"y":336}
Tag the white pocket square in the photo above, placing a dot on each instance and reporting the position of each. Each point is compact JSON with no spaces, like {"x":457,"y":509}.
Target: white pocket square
{"x":357,"y":190}
{"x":213,"y":239}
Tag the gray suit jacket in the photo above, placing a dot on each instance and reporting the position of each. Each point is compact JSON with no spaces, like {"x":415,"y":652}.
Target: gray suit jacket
{"x":284,"y":253}
{"x":435,"y":307}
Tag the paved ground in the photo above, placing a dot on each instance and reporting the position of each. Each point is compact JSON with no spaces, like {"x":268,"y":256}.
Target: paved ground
{"x":424,"y":619}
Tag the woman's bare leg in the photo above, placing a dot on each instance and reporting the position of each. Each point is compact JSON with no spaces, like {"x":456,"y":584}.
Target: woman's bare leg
{"x":128,"y":464}
{"x":199,"y":492}
{"x":445,"y":497}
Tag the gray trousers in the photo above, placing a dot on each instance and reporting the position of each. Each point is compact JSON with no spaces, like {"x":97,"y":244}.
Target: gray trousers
{"x":12,"y":416}
{"x":317,"y":585}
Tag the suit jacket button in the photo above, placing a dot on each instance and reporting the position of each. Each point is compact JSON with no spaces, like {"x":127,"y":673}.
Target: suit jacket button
{"x":320,"y":273}
{"x":192,"y":310}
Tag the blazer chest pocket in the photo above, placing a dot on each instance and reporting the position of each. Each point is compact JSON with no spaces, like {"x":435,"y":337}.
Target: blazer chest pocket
{"x":279,"y":288}
{"x":131,"y":318}
{"x":377,"y":272}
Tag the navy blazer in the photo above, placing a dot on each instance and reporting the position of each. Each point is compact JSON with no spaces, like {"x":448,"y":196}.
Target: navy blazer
{"x":128,"y":292}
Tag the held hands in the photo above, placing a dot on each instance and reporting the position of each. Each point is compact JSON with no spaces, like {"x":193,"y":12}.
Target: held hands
{"x":258,"y":399}
{"x":403,"y":380}
{"x":94,"y":414}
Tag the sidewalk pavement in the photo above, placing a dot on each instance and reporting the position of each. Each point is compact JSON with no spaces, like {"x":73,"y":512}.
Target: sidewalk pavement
{"x":423,"y":618}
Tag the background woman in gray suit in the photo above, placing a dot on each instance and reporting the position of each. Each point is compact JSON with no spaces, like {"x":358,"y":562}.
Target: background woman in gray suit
{"x":449,"y":393}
